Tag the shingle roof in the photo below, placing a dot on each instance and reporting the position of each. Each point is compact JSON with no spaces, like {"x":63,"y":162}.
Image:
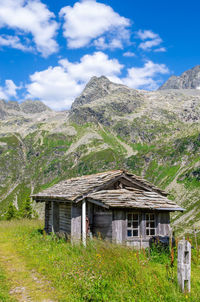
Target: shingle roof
{"x":77,"y":188}
{"x":133,"y":198}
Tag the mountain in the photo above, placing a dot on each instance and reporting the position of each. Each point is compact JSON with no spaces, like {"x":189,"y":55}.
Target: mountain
{"x":12,"y":108}
{"x":110,"y":126}
{"x":189,"y":79}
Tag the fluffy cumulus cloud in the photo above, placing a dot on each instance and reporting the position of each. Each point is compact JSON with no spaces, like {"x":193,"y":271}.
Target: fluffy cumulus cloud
{"x":150,"y":40}
{"x":90,"y":22}
{"x":146,"y":34}
{"x":8,"y":90}
{"x":29,"y":17}
{"x":14,"y":42}
{"x":145,"y":77}
{"x":58,"y":86}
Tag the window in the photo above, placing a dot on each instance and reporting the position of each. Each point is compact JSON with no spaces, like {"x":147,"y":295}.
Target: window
{"x":132,"y":224}
{"x":150,"y":224}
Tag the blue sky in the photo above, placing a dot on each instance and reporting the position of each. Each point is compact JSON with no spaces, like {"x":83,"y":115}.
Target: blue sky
{"x":50,"y":49}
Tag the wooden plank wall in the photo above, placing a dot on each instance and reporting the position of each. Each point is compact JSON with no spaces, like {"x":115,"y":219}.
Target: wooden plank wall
{"x":48,"y":217}
{"x":76,"y":222}
{"x":65,"y":217}
{"x":102,"y":223}
{"x":163,"y":223}
{"x":56,"y":219}
{"x":119,"y":227}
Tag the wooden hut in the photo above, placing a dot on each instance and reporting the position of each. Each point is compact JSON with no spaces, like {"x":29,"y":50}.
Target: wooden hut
{"x":116,"y":205}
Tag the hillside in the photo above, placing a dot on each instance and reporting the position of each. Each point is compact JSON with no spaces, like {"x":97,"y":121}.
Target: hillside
{"x":153,"y":134}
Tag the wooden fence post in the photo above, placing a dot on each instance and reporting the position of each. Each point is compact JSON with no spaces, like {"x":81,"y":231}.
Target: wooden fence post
{"x":184,"y":265}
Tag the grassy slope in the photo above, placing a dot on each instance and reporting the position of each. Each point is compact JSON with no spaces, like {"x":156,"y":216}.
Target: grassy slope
{"x":100,"y":272}
{"x":169,"y":162}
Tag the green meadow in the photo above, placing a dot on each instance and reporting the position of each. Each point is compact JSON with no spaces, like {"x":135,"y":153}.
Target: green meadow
{"x":45,"y":267}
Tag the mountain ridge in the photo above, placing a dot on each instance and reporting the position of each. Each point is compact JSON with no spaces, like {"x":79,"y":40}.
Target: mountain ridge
{"x":152,"y":134}
{"x":189,"y":79}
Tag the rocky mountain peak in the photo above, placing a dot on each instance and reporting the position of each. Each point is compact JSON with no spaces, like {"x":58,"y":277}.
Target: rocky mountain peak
{"x":13,"y":108}
{"x":96,"y":88}
{"x":32,"y":107}
{"x":189,"y":79}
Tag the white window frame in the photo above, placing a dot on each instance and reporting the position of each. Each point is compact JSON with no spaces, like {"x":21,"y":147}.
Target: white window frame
{"x":148,"y":224}
{"x":131,"y":227}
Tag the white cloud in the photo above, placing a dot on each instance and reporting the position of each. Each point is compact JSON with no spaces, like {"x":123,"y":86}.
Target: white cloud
{"x":101,"y":43}
{"x":89,"y":20}
{"x":145,"y":77}
{"x":30,"y":17}
{"x":9,"y":90}
{"x":129,"y":54}
{"x":147,"y":45}
{"x":58,"y":86}
{"x":161,"y":49}
{"x":146,"y":34}
{"x":150,"y":39}
{"x":14,"y":42}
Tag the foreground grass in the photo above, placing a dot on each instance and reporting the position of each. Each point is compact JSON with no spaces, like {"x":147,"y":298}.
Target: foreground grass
{"x":100,"y":272}
{"x":4,"y":288}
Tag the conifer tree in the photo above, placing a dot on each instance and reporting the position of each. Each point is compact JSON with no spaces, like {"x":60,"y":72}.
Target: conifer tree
{"x":26,"y":209}
{"x":11,"y":213}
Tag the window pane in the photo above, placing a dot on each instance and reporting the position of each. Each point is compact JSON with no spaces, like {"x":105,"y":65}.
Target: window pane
{"x":152,"y":224}
{"x":135,"y":224}
{"x":129,"y":233}
{"x":129,"y":217}
{"x":147,"y":224}
{"x":147,"y":232}
{"x":135,"y":232}
{"x":135,"y":216}
{"x":152,"y":216}
{"x":129,"y":224}
{"x":152,"y":231}
{"x":147,"y":216}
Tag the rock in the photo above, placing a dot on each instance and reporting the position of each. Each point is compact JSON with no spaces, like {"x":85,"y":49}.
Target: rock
{"x":33,"y":107}
{"x":189,"y":79}
{"x":95,"y":89}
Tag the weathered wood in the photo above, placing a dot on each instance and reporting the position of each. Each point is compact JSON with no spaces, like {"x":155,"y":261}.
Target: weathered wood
{"x":76,"y":189}
{"x":65,"y":218}
{"x":142,"y":226}
{"x":47,"y":209}
{"x":55,"y":217}
{"x":132,"y":198}
{"x":184,"y":265}
{"x":84,"y":222}
{"x":75,"y":223}
{"x":102,"y":223}
{"x":50,"y":221}
{"x":163,"y":223}
{"x":119,"y":226}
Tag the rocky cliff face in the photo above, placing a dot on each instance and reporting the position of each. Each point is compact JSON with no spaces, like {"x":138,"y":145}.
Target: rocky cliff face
{"x":12,"y":108}
{"x":153,"y":134}
{"x":98,"y":88}
{"x":189,"y":79}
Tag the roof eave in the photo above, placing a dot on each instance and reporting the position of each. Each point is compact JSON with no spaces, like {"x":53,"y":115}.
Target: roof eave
{"x":171,"y":209}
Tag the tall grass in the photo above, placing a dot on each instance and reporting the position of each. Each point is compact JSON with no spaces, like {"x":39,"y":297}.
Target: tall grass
{"x":100,"y":272}
{"x":4,"y":288}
